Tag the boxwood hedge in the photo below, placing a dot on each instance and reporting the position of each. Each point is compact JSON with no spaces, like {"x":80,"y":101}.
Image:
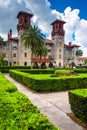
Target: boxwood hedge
{"x":44,"y":82}
{"x":78,"y":102}
{"x":17,"y":112}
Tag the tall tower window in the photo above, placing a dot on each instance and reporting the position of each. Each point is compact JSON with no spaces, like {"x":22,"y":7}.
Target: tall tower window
{"x":25,"y":54}
{"x":25,"y":20}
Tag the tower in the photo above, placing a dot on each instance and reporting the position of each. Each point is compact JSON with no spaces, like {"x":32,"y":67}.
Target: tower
{"x":58,"y":40}
{"x":24,"y":21}
{"x":24,"y":53}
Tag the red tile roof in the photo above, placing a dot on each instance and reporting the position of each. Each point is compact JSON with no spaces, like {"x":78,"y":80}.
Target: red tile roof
{"x":82,"y":58}
{"x":14,"y":38}
{"x":48,"y":41}
{"x":58,"y":20}
{"x":25,"y":13}
{"x":71,"y":45}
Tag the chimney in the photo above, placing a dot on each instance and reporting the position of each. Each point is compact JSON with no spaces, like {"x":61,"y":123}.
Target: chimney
{"x":10,"y":34}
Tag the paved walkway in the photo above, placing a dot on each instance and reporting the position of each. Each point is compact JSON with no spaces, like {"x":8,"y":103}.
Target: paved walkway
{"x":54,"y":105}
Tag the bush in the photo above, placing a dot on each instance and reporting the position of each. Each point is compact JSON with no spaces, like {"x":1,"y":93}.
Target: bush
{"x":78,"y":102}
{"x":5,"y":69}
{"x":18,"y":113}
{"x":80,"y":70}
{"x":45,"y":82}
{"x":63,"y":72}
{"x":5,"y":85}
{"x":37,"y":71}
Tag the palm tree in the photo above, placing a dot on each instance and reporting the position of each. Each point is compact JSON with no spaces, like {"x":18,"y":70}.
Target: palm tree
{"x":41,"y":51}
{"x":79,"y":52}
{"x":34,"y":38}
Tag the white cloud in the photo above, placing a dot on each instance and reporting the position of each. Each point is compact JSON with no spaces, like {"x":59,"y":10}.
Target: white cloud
{"x":4,"y":3}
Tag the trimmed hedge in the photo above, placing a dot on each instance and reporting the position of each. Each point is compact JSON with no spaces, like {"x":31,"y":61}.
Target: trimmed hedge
{"x":78,"y":102}
{"x":5,"y":69}
{"x":17,"y":112}
{"x":37,"y":71}
{"x":43,"y":83}
{"x":80,"y":70}
{"x":5,"y":85}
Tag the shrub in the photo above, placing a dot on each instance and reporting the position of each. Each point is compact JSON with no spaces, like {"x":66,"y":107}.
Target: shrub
{"x":45,"y":82}
{"x":5,"y":85}
{"x":37,"y":71}
{"x":18,"y":113}
{"x":78,"y":102}
{"x":5,"y":69}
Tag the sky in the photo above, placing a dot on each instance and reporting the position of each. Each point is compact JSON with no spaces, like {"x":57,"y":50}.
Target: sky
{"x":73,"y":12}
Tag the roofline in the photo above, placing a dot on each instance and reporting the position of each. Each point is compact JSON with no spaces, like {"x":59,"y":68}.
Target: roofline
{"x":23,"y":12}
{"x":58,"y":20}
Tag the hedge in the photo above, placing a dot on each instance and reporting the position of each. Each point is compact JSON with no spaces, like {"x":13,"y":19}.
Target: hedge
{"x":5,"y":69}
{"x":17,"y":112}
{"x":43,"y":83}
{"x":78,"y":102}
{"x":80,"y":70}
{"x":37,"y":71}
{"x":5,"y":85}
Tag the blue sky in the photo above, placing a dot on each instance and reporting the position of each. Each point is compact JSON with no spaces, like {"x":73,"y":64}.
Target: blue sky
{"x":60,"y":5}
{"x":73,"y":12}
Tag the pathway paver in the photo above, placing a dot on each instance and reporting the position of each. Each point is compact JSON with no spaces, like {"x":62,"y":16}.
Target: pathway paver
{"x":54,"y":105}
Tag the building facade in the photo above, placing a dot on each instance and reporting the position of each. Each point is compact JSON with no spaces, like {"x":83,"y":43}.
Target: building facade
{"x":15,"y":53}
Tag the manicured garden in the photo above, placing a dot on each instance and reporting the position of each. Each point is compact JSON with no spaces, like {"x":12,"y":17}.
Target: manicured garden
{"x":48,"y":82}
{"x":60,"y":80}
{"x":17,"y":112}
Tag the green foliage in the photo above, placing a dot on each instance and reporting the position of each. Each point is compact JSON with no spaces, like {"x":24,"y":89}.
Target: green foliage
{"x":5,"y":69}
{"x":65,"y":72}
{"x":80,"y":70}
{"x":78,"y":102}
{"x":17,"y":112}
{"x":38,"y":71}
{"x":44,"y":82}
{"x":5,"y":85}
{"x":79,"y":52}
{"x":85,"y":62}
{"x":34,"y":38}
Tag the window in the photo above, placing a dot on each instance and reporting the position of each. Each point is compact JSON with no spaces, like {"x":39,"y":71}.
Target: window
{"x":4,"y":55}
{"x":59,"y":64}
{"x":25,"y":54}
{"x":25,"y":63}
{"x":14,"y":54}
{"x":59,"y":50}
{"x":60,"y":56}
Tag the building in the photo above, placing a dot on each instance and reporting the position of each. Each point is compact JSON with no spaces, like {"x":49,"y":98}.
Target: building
{"x":15,"y":53}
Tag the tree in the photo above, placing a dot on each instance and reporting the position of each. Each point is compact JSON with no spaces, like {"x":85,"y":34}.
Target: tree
{"x":85,"y":61}
{"x":1,"y":40}
{"x":79,"y":52}
{"x":41,"y":52}
{"x":34,"y":38}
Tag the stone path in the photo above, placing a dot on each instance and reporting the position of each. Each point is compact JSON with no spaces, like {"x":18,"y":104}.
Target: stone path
{"x":54,"y":105}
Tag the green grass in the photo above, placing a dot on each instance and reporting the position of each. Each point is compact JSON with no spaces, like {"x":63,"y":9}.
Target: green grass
{"x":48,"y":76}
